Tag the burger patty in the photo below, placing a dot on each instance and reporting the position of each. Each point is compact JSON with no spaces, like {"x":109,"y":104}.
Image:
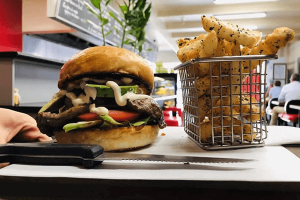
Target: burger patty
{"x":149,"y":107}
{"x":47,"y":121}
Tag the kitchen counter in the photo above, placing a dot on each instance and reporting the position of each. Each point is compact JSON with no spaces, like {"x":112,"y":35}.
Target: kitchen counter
{"x":34,"y":77}
{"x":274,"y":171}
{"x":30,"y":57}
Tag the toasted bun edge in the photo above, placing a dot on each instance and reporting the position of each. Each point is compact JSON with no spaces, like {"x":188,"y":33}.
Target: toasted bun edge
{"x":106,"y":59}
{"x":116,"y":139}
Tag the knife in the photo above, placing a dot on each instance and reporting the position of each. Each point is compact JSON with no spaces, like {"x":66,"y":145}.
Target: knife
{"x":87,"y":155}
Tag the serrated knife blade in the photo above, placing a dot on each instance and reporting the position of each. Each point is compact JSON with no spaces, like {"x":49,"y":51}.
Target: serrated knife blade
{"x":167,"y":158}
{"x":88,"y":155}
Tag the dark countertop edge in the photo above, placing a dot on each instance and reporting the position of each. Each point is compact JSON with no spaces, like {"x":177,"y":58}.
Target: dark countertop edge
{"x":26,"y":56}
{"x":288,"y":186}
{"x":20,"y":107}
{"x":84,"y":188}
{"x":23,"y":109}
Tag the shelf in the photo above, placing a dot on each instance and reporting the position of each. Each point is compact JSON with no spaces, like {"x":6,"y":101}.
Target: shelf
{"x":160,"y":98}
{"x":35,"y":77}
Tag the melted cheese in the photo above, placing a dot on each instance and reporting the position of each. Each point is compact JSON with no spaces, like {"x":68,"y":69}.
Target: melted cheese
{"x":91,"y":92}
{"x":101,"y":81}
{"x":83,"y":98}
{"x":126,"y":80}
{"x":99,"y":110}
{"x":122,"y":100}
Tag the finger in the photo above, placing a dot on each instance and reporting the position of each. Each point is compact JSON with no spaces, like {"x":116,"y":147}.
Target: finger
{"x":31,"y":134}
{"x":4,"y":134}
{"x":3,"y":165}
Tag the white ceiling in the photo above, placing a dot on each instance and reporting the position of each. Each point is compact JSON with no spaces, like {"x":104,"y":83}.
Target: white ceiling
{"x":174,"y":19}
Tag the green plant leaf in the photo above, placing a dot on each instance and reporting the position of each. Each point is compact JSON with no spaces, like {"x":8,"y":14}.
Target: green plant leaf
{"x":91,"y":9}
{"x":140,"y":43}
{"x":127,"y":6}
{"x":96,"y":3}
{"x":104,"y":21}
{"x":129,"y":32}
{"x":124,"y":8}
{"x":138,"y":4}
{"x":143,"y":34}
{"x":95,"y":14}
{"x":109,"y":32}
{"x":148,"y":9}
{"x":108,"y":2}
{"x":129,"y":41}
{"x":115,"y":18}
{"x":117,"y":30}
{"x":136,"y":14}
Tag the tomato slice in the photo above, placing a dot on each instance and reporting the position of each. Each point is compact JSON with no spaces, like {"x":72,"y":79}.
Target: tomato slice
{"x":120,"y":116}
{"x":117,"y":115}
{"x":88,"y":117}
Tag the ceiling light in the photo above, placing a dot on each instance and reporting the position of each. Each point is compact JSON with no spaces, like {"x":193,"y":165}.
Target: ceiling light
{"x":242,"y":16}
{"x":250,"y":27}
{"x":239,"y":1}
{"x":181,"y":30}
{"x":201,"y":30}
{"x":197,"y":17}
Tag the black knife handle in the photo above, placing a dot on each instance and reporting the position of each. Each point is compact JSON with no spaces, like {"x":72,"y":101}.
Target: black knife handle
{"x":50,"y":154}
{"x":55,"y":149}
{"x":48,"y":160}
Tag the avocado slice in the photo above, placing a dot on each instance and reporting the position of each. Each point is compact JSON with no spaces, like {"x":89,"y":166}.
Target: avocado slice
{"x":53,"y":104}
{"x":105,"y":91}
{"x":86,"y":124}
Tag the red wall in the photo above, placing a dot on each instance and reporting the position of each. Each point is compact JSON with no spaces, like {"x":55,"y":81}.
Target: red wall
{"x":11,"y":25}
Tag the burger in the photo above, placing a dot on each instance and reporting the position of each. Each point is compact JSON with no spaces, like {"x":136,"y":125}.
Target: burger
{"x":103,"y":98}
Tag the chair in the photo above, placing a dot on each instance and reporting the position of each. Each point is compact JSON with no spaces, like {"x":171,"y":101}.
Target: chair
{"x":270,"y":108}
{"x":290,"y":115}
{"x":271,"y":103}
{"x":170,"y":116}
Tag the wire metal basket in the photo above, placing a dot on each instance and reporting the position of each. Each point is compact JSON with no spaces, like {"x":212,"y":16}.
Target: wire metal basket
{"x":223,"y":100}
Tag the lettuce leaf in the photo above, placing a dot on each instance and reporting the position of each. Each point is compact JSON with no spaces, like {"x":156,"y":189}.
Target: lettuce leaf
{"x":107,"y":122}
{"x":109,"y":119}
{"x":142,"y":122}
{"x":82,"y":124}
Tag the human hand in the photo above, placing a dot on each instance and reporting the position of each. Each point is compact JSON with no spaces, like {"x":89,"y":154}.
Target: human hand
{"x":20,"y":127}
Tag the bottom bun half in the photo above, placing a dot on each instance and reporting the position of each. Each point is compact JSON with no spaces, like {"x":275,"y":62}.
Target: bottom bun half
{"x":117,"y":139}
